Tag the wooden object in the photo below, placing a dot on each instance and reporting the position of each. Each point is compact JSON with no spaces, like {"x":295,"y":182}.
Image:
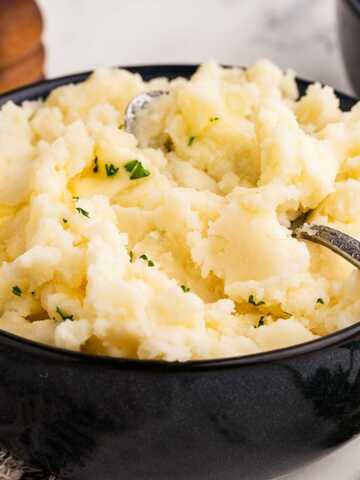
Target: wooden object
{"x":22,"y":54}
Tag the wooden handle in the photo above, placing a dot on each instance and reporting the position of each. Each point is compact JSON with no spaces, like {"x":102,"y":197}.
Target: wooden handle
{"x":21,"y":27}
{"x":28,"y":70}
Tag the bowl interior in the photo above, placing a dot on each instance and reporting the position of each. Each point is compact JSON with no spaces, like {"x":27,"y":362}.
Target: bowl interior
{"x":41,"y":90}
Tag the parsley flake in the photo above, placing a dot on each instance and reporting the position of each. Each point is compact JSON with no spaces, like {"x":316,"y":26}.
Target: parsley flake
{"x":96,"y":165}
{"x":131,"y":255}
{"x":191,"y":141}
{"x":63,"y":315}
{"x":252,"y":300}
{"x":83,"y":212}
{"x":261,"y":322}
{"x":64,"y":220}
{"x":16,"y":291}
{"x":121,"y":126}
{"x":136,"y":170}
{"x":111,"y":170}
{"x":75,"y":198}
{"x":320,"y":300}
{"x":184,"y":288}
{"x":214,"y":119}
{"x":149,"y":262}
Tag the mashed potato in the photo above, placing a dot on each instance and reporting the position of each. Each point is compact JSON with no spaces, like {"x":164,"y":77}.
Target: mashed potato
{"x":176,"y":245}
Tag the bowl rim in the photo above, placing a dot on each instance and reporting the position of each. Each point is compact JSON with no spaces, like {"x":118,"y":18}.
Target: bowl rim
{"x":37,"y":90}
{"x":355,"y":6}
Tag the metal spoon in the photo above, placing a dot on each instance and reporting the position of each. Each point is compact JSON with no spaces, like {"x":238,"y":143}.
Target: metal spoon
{"x":339,"y":242}
{"x":138,"y":103}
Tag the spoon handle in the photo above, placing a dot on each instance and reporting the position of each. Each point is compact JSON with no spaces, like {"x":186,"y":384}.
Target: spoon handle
{"x":339,"y":242}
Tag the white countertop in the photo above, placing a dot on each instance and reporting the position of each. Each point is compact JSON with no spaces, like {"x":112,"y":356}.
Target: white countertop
{"x":300,"y":34}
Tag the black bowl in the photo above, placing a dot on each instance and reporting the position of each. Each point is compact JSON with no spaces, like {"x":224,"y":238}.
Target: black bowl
{"x":250,"y":418}
{"x":348,"y":12}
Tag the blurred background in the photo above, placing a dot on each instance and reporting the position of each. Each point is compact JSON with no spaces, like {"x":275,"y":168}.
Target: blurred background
{"x":81,"y":34}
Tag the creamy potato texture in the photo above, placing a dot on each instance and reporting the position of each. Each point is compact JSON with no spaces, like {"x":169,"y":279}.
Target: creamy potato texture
{"x":175,"y":244}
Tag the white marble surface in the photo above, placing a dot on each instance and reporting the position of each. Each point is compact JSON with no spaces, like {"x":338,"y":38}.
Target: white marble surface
{"x":295,"y":33}
{"x":300,"y":34}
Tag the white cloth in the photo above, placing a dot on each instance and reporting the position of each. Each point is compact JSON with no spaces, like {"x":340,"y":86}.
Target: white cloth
{"x":12,"y":469}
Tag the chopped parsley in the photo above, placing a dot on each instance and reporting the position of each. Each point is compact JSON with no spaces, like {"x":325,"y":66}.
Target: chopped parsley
{"x":320,"y":300}
{"x":252,"y":300}
{"x":16,"y":291}
{"x":96,"y":165}
{"x":121,"y":126}
{"x":76,"y":198}
{"x":185,"y":289}
{"x":136,"y":170}
{"x":83,"y":212}
{"x":261,"y":322}
{"x":64,"y":220}
{"x":149,"y":262}
{"x":131,"y":255}
{"x":214,"y":119}
{"x":111,"y":170}
{"x":63,"y":315}
{"x":191,"y":141}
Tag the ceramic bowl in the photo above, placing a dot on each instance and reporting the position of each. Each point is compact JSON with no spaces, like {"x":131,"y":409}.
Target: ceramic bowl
{"x":251,"y":418}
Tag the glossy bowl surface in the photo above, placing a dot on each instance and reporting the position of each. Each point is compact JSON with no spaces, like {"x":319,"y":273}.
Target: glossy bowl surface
{"x":251,"y":418}
{"x":348,"y":13}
